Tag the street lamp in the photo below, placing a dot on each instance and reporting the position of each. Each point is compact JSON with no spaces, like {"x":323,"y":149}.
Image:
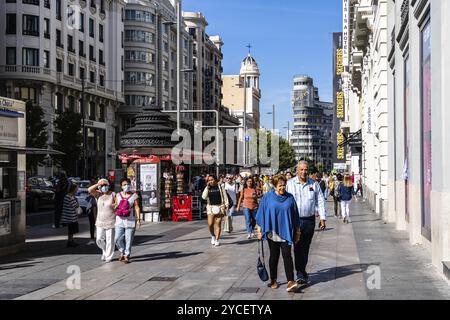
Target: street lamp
{"x":83,"y":117}
{"x":288,"y":131}
{"x":273,"y":118}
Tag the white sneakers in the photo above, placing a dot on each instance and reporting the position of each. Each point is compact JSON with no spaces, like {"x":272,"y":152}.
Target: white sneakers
{"x":103,"y":258}
{"x":216,"y":243}
{"x":213,"y":240}
{"x":249,"y":236}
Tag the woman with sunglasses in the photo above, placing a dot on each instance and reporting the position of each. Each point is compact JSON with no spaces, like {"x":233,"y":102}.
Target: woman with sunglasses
{"x":216,"y":208}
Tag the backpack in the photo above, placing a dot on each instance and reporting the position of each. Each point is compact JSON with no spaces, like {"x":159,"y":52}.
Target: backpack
{"x":123,"y":210}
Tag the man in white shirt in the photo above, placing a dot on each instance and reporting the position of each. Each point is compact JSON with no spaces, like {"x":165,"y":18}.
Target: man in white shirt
{"x":309,"y":196}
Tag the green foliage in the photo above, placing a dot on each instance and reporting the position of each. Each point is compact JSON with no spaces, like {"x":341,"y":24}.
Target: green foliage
{"x":286,"y":151}
{"x":37,"y":136}
{"x":68,"y":138}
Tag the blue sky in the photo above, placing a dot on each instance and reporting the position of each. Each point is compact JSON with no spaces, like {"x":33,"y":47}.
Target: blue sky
{"x":289,"y":37}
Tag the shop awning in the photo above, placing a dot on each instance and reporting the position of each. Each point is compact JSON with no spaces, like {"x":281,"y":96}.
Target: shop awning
{"x":32,"y":151}
{"x":10,"y":113}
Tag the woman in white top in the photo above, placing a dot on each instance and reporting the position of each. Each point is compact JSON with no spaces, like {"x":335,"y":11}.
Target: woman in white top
{"x":106,"y":218}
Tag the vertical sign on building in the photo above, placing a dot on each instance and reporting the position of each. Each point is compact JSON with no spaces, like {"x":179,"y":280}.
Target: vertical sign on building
{"x":338,"y":98}
{"x":345,"y":31}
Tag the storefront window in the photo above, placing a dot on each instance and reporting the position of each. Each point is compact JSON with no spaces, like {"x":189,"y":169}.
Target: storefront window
{"x":8,"y":175}
{"x":426,"y":128}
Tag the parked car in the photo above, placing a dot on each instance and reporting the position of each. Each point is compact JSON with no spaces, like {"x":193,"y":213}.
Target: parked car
{"x":83,"y":194}
{"x":39,"y":192}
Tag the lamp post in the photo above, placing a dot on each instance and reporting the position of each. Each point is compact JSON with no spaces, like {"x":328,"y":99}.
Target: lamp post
{"x":288,"y":130}
{"x":273,"y":118}
{"x":178,"y":7}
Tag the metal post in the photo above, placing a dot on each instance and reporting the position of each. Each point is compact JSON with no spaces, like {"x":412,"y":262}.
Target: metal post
{"x":178,"y":64}
{"x":245,"y":121}
{"x":83,"y":123}
{"x":273,"y":118}
{"x":289,"y":129}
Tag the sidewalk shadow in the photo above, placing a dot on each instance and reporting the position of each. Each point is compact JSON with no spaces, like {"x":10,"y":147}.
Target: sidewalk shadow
{"x":332,"y":274}
{"x":163,"y":255}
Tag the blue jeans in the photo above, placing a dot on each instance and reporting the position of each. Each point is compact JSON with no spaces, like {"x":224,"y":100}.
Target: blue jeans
{"x":124,"y":239}
{"x":250,"y":219}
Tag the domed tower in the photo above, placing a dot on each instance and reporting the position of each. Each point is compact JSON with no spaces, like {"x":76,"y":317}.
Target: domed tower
{"x":250,"y":72}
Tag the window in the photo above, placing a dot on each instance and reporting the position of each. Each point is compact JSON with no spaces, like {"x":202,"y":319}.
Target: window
{"x":30,"y":57}
{"x":166,"y":85}
{"x":28,"y":94}
{"x":71,"y":69}
{"x":35,"y":2}
{"x":81,"y":22}
{"x":10,"y":23}
{"x":47,"y":4}
{"x":59,"y":103}
{"x":93,"y":4}
{"x":139,"y":56}
{"x":92,"y":110}
{"x":58,"y":9}
{"x":71,"y":101}
{"x":82,"y":73}
{"x":11,"y":55}
{"x":166,"y":46}
{"x":138,"y":36}
{"x":59,"y":67}
{"x":8,"y":176}
{"x":30,"y":25}
{"x":91,"y":53}
{"x":102,"y":80}
{"x":138,"y":15}
{"x":100,"y":57}
{"x":58,"y":39}
{"x":47,"y":59}
{"x":121,"y":38}
{"x":81,"y":48}
{"x":91,"y":28}
{"x":140,"y":78}
{"x":102,"y":6}
{"x":133,"y":100}
{"x":70,"y":43}
{"x":92,"y":77}
{"x":101,"y":113}
{"x":47,"y":28}
{"x":100,"y":32}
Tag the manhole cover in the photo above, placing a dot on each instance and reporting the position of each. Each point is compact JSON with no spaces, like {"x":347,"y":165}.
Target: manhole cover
{"x":244,"y":290}
{"x":168,"y":279}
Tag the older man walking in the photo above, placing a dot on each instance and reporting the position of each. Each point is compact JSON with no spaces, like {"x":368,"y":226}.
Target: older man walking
{"x":309,"y":196}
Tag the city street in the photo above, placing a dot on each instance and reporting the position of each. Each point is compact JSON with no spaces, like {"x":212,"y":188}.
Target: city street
{"x":176,"y":261}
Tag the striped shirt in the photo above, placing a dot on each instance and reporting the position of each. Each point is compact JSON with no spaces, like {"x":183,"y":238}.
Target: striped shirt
{"x":69,"y":213}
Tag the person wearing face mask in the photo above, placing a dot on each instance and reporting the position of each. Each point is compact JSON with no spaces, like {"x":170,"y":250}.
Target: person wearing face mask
{"x":128,"y":217}
{"x":106,"y":218}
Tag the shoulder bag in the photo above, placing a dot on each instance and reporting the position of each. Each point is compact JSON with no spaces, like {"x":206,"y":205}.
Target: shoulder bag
{"x":260,"y":265}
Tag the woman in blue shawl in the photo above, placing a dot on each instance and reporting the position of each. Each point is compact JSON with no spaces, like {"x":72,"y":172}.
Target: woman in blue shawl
{"x":278,"y":221}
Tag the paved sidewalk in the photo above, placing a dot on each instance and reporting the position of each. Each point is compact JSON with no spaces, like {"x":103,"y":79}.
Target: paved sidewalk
{"x":177,"y":261}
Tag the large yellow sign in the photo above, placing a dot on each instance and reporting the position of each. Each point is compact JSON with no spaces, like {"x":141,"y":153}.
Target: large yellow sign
{"x":340,"y":151}
{"x":340,"y":105}
{"x":339,"y":62}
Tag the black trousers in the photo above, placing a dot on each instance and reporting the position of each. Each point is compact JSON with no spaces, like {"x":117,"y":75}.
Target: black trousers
{"x":92,"y":214}
{"x":286,"y":251}
{"x":301,"y":249}
{"x":337,"y":207}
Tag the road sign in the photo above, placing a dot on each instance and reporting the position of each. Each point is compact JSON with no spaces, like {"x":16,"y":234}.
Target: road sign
{"x":247,"y":138}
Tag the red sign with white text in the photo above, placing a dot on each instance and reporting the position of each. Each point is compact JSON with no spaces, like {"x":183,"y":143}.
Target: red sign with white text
{"x":182,"y":208}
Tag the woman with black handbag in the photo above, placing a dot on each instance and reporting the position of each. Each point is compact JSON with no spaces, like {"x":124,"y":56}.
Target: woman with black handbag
{"x":279,"y":222}
{"x":216,"y":208}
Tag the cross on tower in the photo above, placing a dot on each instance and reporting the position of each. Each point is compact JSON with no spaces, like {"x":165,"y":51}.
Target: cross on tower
{"x":249,"y":46}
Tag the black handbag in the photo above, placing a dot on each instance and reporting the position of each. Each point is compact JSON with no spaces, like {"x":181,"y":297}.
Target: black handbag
{"x":260,"y":266}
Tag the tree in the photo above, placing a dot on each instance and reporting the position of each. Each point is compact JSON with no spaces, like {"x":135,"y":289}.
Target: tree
{"x":68,"y":139}
{"x":286,"y":151}
{"x":37,"y":135}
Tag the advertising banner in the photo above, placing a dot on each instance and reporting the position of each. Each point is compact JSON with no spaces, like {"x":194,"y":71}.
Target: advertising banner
{"x":5,"y":218}
{"x":149,"y":186}
{"x":339,"y":150}
{"x":182,"y":208}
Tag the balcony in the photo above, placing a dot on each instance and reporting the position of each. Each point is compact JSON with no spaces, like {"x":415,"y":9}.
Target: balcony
{"x":31,"y":69}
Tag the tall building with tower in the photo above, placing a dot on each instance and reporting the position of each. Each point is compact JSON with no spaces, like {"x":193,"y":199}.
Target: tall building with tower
{"x":311,"y":136}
